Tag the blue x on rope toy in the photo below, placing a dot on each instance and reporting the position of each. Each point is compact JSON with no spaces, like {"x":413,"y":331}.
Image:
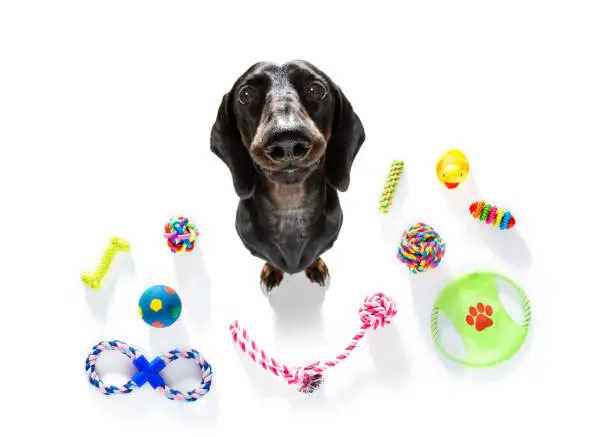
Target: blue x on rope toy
{"x":148,"y":371}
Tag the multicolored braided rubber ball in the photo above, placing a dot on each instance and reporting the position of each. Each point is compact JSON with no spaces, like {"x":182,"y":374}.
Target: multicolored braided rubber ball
{"x":421,"y":248}
{"x":181,"y":235}
{"x":492,"y":215}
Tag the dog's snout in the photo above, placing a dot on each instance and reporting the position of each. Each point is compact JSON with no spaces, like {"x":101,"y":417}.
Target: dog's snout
{"x":288,"y":150}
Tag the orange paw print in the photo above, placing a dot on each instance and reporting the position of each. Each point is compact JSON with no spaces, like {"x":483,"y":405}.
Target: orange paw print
{"x":480,"y":317}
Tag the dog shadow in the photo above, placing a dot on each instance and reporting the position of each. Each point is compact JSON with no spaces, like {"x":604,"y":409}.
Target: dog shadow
{"x":268,"y":385}
{"x":297,"y":304}
{"x":99,"y":301}
{"x":193,"y":282}
{"x":509,"y":245}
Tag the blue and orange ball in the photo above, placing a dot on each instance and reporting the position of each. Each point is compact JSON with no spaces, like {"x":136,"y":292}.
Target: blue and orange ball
{"x":159,"y":306}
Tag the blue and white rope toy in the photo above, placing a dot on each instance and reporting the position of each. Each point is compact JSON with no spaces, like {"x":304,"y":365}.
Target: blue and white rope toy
{"x":148,"y":371}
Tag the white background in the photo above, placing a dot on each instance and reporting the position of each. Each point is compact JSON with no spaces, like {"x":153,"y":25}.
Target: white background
{"x":105,"y":114}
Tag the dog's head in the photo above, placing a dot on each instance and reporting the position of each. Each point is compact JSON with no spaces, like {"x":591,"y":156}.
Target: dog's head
{"x":285,"y":121}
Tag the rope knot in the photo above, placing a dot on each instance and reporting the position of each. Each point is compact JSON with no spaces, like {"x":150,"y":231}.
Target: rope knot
{"x":421,"y":248}
{"x":377,"y":311}
{"x":308,"y":379}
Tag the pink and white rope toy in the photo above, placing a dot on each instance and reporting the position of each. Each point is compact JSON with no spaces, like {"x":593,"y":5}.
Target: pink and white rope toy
{"x":376,"y":311}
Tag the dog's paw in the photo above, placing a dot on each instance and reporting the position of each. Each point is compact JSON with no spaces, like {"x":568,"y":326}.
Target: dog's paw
{"x":270,"y":277}
{"x":318,"y":273}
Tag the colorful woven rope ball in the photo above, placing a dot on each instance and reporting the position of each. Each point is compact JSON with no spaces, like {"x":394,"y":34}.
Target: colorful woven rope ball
{"x":181,"y":234}
{"x":421,"y":248}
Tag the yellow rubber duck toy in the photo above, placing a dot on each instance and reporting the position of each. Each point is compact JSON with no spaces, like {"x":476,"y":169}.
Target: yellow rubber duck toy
{"x":452,"y":168}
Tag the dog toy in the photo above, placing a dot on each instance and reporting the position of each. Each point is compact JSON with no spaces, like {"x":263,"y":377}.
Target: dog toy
{"x":94,"y":279}
{"x":159,"y":306}
{"x":492,"y":215}
{"x":421,"y":248}
{"x":390,"y":187}
{"x":181,"y":235}
{"x":452,"y":168}
{"x":377,"y":311}
{"x":148,"y":371}
{"x":490,"y":336}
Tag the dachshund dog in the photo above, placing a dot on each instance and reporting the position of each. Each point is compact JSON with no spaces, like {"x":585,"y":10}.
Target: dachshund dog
{"x":289,"y":137}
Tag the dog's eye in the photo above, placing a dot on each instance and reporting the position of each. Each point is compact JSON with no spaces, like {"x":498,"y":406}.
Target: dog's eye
{"x":247,"y":95}
{"x":316,"y":90}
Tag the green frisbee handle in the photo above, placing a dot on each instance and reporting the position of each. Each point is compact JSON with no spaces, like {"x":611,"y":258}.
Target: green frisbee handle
{"x":435,"y":333}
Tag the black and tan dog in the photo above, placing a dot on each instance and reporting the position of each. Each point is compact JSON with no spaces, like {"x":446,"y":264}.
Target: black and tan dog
{"x":289,"y":137}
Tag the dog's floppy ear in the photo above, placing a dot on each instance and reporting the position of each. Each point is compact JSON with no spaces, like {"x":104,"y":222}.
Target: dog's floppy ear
{"x":347,"y":136}
{"x":226,"y":143}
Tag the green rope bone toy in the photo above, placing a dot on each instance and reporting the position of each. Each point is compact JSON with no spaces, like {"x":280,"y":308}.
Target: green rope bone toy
{"x":390,"y":187}
{"x":94,"y":279}
{"x":490,"y":336}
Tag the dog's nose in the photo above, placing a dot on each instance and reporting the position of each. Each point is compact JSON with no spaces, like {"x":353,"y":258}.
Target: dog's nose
{"x":288,"y":150}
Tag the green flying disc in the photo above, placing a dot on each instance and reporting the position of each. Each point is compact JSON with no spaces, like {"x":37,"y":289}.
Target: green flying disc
{"x":489,"y":335}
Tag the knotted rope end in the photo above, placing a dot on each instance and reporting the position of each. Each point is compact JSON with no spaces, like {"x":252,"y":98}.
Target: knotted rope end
{"x":311,"y":383}
{"x":307,"y":379}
